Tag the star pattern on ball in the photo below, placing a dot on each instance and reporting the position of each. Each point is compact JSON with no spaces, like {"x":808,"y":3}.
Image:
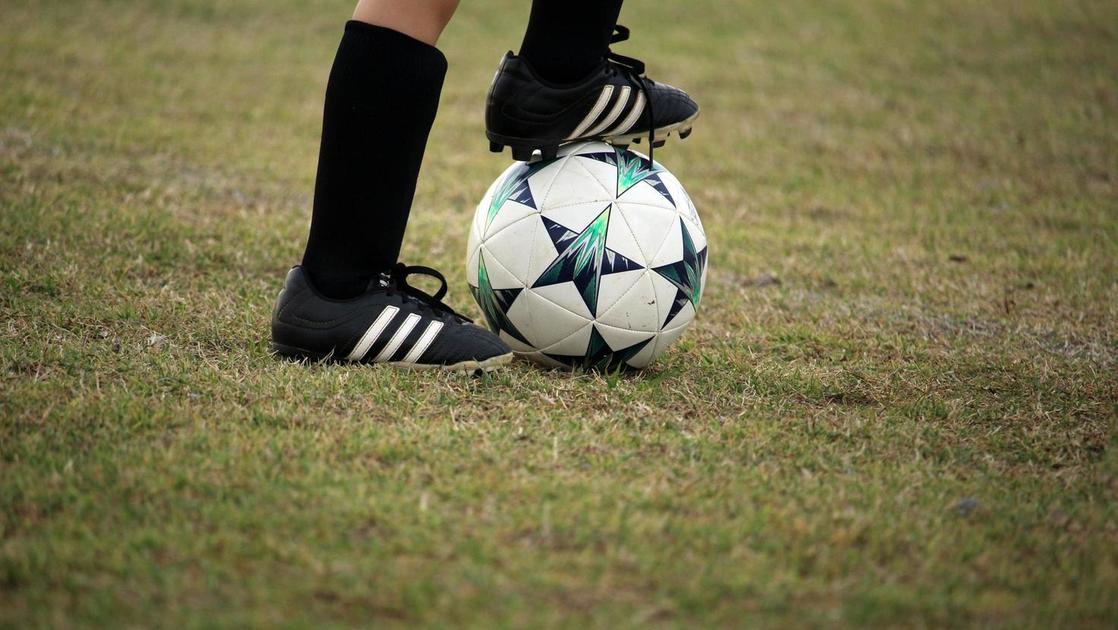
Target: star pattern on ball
{"x":686,"y":274}
{"x":599,"y":355}
{"x":583,"y":258}
{"x":495,"y":303}
{"x":632,"y":169}
{"x":514,"y":187}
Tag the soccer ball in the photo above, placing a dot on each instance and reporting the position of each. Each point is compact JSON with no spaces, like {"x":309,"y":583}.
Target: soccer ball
{"x":595,"y":259}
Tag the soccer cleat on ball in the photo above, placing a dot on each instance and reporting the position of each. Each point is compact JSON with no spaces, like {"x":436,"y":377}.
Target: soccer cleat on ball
{"x":596,"y":259}
{"x":615,"y":103}
{"x":392,"y":323}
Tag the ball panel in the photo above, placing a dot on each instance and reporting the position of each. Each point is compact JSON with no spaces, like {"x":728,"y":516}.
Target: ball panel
{"x":575,"y":185}
{"x":564,"y":296}
{"x":673,"y":187}
{"x":629,"y":303}
{"x":643,"y":358}
{"x":499,"y":277}
{"x":508,"y":245}
{"x":671,"y":250}
{"x":697,"y":234}
{"x":508,"y":214}
{"x":481,"y":213}
{"x":665,"y":339}
{"x":540,"y":252}
{"x":689,"y":211}
{"x":602,"y":172}
{"x":620,"y":238}
{"x":541,"y":320}
{"x":650,"y":226}
{"x":576,"y":216}
{"x":619,"y":338}
{"x":648,"y":191}
{"x":517,"y":345}
{"x":666,"y":295}
{"x":472,"y":266}
{"x":574,"y":344}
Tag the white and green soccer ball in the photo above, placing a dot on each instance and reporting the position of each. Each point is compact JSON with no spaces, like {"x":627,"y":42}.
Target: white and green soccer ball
{"x":595,"y":259}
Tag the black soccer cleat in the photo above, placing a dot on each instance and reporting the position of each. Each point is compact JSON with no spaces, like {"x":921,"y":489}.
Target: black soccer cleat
{"x":616,"y":103}
{"x":392,"y":323}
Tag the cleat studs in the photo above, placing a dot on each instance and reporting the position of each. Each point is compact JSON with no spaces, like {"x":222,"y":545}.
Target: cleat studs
{"x":683,"y":133}
{"x":532,"y":154}
{"x":496,"y":147}
{"x":658,"y":144}
{"x":524,"y":154}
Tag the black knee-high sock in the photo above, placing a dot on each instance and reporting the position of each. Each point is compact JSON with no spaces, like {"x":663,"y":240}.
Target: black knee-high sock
{"x":381,"y":100}
{"x":566,"y":39}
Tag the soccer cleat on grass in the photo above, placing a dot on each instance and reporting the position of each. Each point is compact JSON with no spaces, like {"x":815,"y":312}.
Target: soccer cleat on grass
{"x":615,"y":103}
{"x":392,"y":322}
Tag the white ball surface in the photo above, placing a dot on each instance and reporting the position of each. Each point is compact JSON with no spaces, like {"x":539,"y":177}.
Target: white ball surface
{"x":595,"y":259}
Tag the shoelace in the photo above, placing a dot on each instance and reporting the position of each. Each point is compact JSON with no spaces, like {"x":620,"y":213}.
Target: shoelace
{"x":397,"y":282}
{"x":635,"y":68}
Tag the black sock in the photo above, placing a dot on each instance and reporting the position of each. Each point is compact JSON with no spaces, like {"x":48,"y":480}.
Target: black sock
{"x":566,"y":39}
{"x":381,"y":100}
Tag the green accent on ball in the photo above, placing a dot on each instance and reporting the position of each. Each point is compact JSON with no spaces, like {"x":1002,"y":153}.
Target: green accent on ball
{"x":686,"y":275}
{"x":514,"y":187}
{"x":581,"y":261}
{"x":631,"y":170}
{"x":495,"y":303}
{"x":600,"y":356}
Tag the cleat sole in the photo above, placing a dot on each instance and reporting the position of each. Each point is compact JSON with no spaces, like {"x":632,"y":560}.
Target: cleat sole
{"x":471,"y":366}
{"x":532,"y":154}
{"x":682,"y":129}
{"x":531,"y":151}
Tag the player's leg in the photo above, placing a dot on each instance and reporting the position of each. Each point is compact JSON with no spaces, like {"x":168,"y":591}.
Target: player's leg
{"x":421,"y":19}
{"x":381,"y":100}
{"x":350,"y":298}
{"x":566,"y":85}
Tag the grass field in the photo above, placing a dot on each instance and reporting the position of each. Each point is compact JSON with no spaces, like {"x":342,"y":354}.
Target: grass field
{"x":899,"y":404}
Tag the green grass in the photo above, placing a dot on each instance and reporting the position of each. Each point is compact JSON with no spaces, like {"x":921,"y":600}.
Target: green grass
{"x":915,"y":426}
